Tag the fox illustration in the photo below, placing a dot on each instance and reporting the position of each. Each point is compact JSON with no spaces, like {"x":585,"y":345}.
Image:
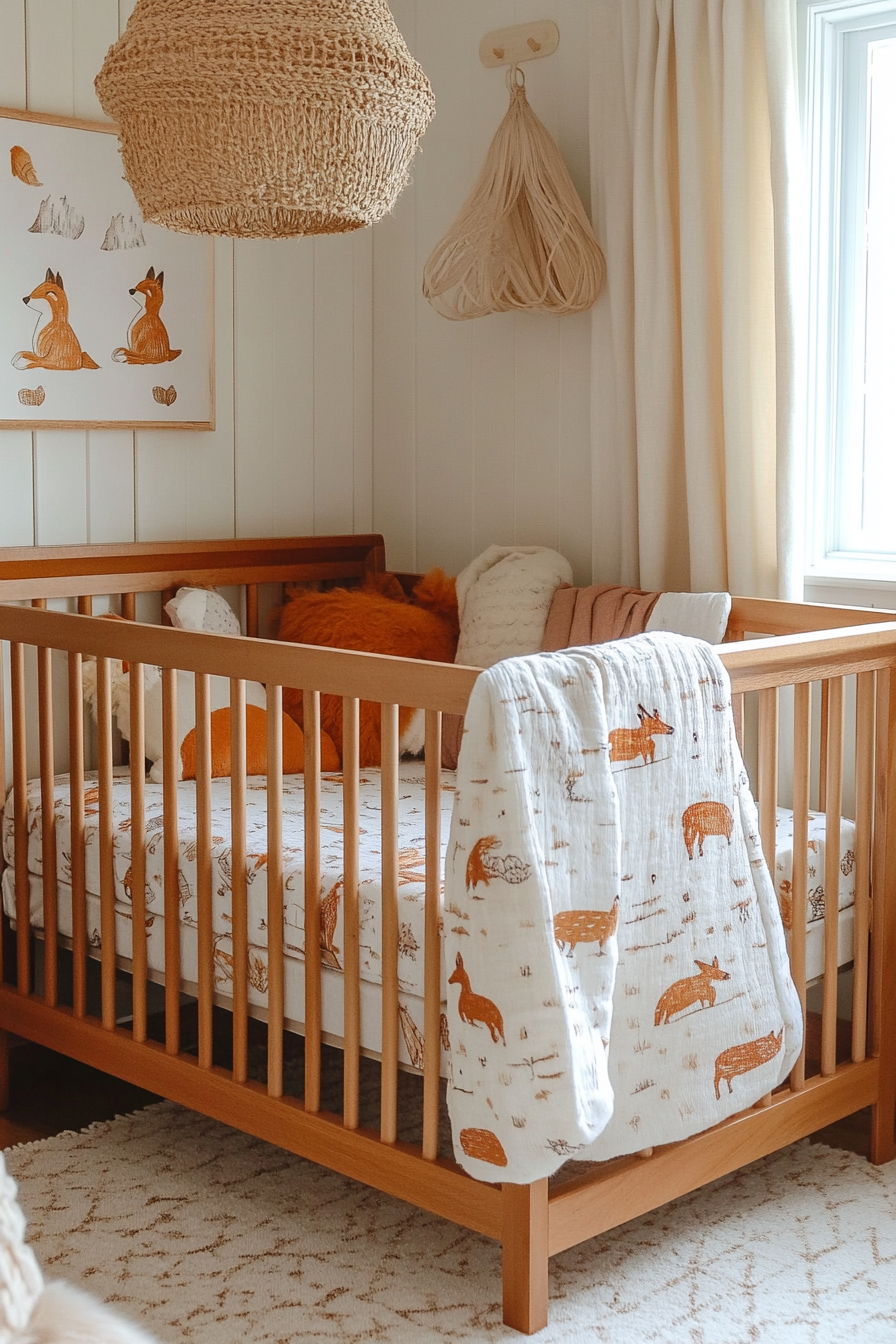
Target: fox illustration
{"x":585,"y":926}
{"x":485,"y":867}
{"x":57,"y":345}
{"x":703,"y":819}
{"x":743,"y":1058}
{"x":475,"y":1008}
{"x":627,"y":744}
{"x":147,"y":335}
{"x":692,"y":989}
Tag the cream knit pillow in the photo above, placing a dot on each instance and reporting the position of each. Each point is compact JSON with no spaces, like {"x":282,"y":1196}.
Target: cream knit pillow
{"x":503,"y":600}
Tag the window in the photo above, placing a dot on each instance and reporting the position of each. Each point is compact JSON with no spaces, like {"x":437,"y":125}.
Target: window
{"x":849,"y":52}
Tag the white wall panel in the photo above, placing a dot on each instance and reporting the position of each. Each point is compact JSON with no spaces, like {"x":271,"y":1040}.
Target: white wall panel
{"x":186,"y":478}
{"x":16,"y":446}
{"x":110,"y":485}
{"x":274,"y":386}
{"x":13,"y":86}
{"x":481,"y":428}
{"x":334,"y":364}
{"x":94,"y":29}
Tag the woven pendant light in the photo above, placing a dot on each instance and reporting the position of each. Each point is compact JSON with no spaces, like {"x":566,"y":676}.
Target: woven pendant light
{"x":265,"y":118}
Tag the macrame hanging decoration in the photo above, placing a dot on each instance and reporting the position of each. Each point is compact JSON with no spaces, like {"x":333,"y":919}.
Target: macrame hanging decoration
{"x":522,"y":238}
{"x":265,"y":118}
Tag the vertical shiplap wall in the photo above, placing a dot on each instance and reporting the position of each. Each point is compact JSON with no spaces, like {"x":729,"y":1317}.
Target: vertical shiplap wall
{"x":292,"y":448}
{"x":481,"y":428}
{"x":344,"y":402}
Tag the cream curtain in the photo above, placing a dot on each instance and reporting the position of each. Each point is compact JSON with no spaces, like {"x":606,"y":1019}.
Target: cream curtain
{"x":697,"y":200}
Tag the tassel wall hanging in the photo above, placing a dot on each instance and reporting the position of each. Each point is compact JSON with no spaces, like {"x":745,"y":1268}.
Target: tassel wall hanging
{"x":522,"y":238}
{"x":265,"y":118}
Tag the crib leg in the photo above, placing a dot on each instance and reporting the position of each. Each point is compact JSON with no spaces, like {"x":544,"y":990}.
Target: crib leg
{"x":525,"y":1256}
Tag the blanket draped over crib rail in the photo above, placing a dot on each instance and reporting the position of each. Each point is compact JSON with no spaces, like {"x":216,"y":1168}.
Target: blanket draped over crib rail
{"x":618,"y":976}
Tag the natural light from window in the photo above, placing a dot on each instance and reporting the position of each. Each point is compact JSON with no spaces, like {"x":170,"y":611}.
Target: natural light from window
{"x":850,"y":124}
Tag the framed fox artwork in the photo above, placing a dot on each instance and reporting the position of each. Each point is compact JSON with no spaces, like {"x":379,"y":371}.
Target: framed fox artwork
{"x":105,"y":321}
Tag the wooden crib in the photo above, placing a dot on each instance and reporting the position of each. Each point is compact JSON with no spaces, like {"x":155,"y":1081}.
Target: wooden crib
{"x":831,"y":733}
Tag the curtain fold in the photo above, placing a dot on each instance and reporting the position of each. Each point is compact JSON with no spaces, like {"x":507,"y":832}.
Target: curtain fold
{"x":696,"y":184}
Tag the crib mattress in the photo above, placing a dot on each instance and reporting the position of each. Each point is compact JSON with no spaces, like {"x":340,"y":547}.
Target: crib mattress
{"x":411,"y":877}
{"x":411,"y":893}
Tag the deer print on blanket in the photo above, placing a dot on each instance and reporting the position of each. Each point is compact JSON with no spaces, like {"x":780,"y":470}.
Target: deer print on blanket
{"x":627,"y":744}
{"x":585,"y":926}
{"x":484,"y":866}
{"x":743,"y":1058}
{"x":703,"y":819}
{"x":692,"y":989}
{"x":476,"y":1008}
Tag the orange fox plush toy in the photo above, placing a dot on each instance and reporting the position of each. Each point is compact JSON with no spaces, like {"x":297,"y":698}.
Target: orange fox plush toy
{"x":379,"y":618}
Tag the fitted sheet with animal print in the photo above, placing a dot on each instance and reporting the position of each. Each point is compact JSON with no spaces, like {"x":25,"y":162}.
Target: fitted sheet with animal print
{"x":411,"y":888}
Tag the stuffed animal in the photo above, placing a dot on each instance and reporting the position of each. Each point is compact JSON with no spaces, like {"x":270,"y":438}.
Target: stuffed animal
{"x":378,"y":618}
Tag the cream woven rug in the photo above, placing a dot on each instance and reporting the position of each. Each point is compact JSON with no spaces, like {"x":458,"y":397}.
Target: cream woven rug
{"x":205,"y":1234}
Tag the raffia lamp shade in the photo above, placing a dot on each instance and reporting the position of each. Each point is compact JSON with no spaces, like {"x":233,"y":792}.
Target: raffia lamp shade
{"x":265,"y":118}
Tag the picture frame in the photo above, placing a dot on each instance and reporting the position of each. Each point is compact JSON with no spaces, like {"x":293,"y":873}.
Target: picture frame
{"x":119,"y":332}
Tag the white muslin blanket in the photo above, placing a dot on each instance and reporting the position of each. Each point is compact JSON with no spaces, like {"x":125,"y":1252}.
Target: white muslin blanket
{"x":618,"y":976}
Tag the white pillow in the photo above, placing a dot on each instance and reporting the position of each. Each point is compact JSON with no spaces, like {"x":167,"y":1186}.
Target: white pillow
{"x":202,"y":609}
{"x":700,"y":615}
{"x":503,"y":600}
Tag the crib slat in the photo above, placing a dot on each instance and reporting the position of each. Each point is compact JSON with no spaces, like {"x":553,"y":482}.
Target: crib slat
{"x":76,"y":808}
{"x":865,"y":697}
{"x":205,"y":943}
{"x":884,"y":780}
{"x":834,"y":799}
{"x":171,"y":753}
{"x":20,"y":823}
{"x":432,"y":956}
{"x":311,"y":720}
{"x":48,"y":833}
{"x":252,"y":610}
{"x":275,"y":890}
{"x":107,"y":863}
{"x":823,"y":748}
{"x":351,"y":913}
{"x":802,"y":728}
{"x":137,"y":738}
{"x":389,"y":963}
{"x":129,"y":606}
{"x":768,"y":771}
{"x":240,"y":901}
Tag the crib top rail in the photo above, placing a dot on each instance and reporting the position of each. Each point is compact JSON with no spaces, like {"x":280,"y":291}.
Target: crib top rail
{"x":35,"y":572}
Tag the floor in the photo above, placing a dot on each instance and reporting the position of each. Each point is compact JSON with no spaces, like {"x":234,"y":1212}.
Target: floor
{"x":49,"y":1093}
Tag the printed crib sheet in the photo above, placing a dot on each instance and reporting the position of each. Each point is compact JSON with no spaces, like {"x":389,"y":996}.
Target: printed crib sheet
{"x":817,"y":846}
{"x":619,"y":976}
{"x":411,"y":880}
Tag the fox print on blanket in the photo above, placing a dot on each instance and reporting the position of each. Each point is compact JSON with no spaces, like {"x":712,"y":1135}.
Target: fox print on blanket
{"x":743,"y":1058}
{"x":692,"y":989}
{"x":627,"y":744}
{"x":585,"y":926}
{"x":703,"y":819}
{"x":484,"y":866}
{"x":474,"y":1008}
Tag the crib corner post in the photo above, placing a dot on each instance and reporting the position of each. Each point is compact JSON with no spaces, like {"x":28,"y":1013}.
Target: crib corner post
{"x":4,"y":1070}
{"x":524,"y":1250}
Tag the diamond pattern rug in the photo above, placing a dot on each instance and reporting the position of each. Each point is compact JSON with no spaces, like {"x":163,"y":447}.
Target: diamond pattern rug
{"x":206,"y":1235}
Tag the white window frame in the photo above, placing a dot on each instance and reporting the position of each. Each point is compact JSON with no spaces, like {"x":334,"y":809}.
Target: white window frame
{"x":832,"y":575}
